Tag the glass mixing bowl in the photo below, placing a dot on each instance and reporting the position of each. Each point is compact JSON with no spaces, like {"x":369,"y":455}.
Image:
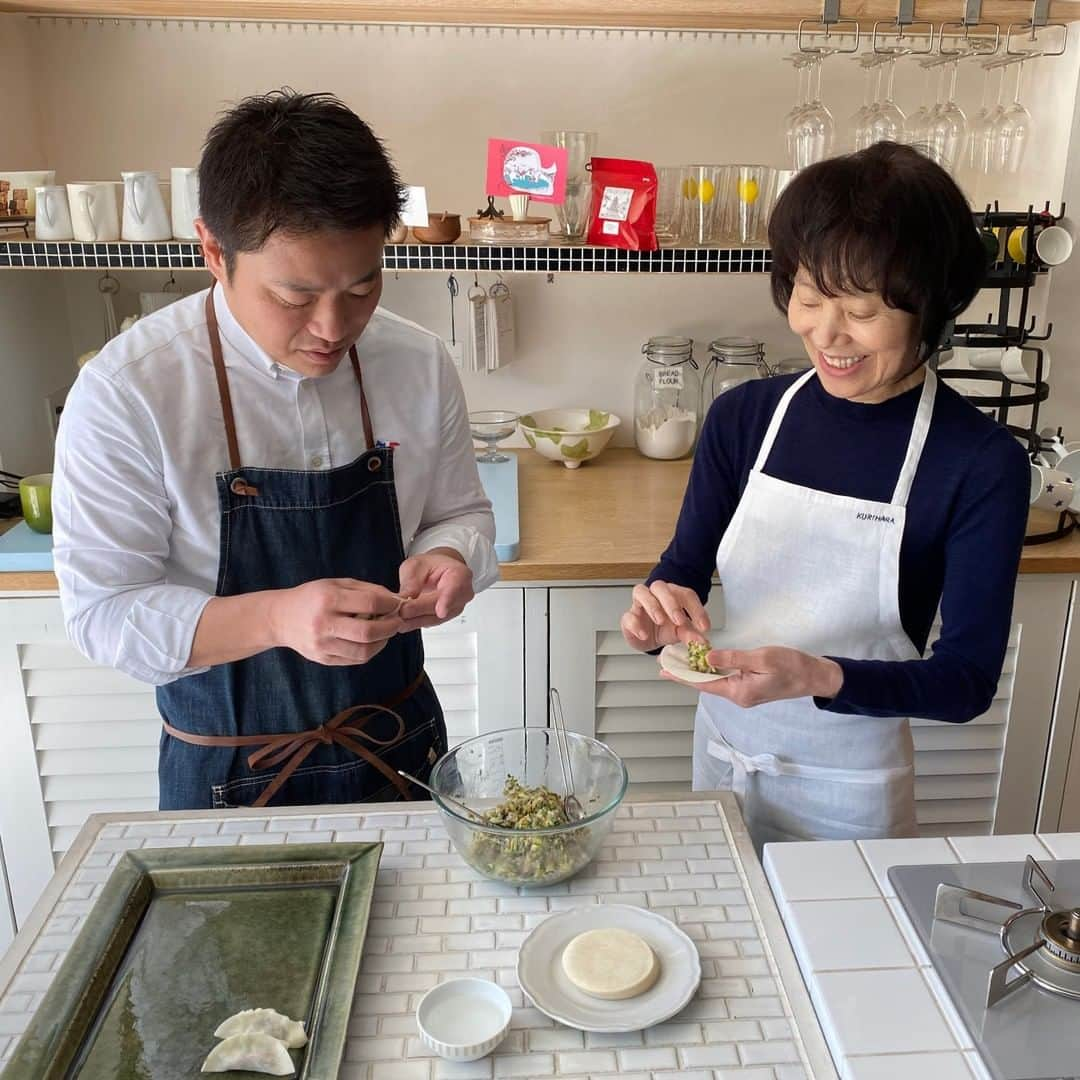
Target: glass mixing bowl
{"x":475,"y":772}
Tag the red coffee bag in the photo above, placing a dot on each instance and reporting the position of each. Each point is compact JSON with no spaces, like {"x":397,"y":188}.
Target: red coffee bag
{"x":623,"y":210}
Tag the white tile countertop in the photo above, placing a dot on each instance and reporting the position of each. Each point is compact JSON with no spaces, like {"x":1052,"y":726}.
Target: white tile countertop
{"x":883,"y":1008}
{"x":435,"y":918}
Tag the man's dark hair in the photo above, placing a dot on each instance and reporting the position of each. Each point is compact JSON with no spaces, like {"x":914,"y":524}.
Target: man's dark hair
{"x":295,"y":163}
{"x":886,"y":219}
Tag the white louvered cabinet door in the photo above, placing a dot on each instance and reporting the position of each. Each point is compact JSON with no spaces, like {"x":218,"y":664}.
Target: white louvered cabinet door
{"x":613,"y":692}
{"x":75,"y":739}
{"x":476,"y":663}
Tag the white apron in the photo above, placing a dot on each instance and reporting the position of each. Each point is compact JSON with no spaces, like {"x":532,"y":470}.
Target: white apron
{"x":817,"y":572}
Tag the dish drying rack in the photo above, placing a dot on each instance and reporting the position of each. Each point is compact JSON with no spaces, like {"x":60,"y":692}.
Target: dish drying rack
{"x":1011,"y":279}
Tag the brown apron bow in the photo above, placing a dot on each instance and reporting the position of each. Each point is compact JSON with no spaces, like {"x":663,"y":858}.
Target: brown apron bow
{"x":293,"y":747}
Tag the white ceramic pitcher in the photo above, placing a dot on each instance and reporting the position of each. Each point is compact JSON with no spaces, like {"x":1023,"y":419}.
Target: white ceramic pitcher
{"x":52,"y":219}
{"x":185,"y":203}
{"x":145,"y":217}
{"x":94,"y":214}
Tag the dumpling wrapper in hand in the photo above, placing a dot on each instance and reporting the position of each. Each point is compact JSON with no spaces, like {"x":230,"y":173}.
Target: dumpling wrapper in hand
{"x":253,"y":1052}
{"x":264,"y":1022}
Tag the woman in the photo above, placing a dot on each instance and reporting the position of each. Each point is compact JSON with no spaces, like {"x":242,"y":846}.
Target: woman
{"x":840,"y":508}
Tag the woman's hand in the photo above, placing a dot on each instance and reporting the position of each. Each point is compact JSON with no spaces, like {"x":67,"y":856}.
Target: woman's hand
{"x":774,"y":673}
{"x":662,"y":614}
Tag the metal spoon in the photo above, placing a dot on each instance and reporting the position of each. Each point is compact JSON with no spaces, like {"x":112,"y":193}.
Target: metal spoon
{"x":572,"y":808}
{"x":442,"y":795}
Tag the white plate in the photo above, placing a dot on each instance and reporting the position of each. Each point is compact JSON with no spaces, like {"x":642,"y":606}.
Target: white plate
{"x":675,"y":661}
{"x":541,"y":976}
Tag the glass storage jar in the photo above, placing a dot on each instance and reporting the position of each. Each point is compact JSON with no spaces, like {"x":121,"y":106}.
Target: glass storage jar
{"x":667,"y":399}
{"x":732,"y":361}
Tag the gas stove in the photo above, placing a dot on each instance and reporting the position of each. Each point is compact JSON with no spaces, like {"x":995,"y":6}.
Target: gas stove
{"x":1005,"y":939}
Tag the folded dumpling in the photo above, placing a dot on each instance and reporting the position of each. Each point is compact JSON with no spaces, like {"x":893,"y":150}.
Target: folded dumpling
{"x":264,"y":1022}
{"x":253,"y":1052}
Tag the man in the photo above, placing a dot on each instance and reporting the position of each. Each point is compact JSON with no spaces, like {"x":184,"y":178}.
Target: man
{"x":265,"y":490}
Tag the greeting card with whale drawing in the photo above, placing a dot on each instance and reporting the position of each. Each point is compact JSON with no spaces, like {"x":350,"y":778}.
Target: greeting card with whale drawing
{"x":518,"y":168}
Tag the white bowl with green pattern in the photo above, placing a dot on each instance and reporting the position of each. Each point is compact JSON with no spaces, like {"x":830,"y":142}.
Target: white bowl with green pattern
{"x":569,"y":435}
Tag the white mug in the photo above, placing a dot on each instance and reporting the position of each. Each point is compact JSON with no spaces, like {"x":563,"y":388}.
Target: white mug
{"x":30,"y":180}
{"x":145,"y":218}
{"x":95,"y":216}
{"x":1053,"y":245}
{"x":1069,"y":464}
{"x":1051,"y":489}
{"x":52,"y":221}
{"x":1020,"y":364}
{"x":185,"y":203}
{"x":1014,"y":362}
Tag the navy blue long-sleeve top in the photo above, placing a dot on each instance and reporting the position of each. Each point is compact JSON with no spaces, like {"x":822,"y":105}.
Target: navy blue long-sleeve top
{"x":963,"y":535}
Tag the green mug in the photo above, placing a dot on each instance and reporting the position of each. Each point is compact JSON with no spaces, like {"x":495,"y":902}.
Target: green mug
{"x":35,"y":494}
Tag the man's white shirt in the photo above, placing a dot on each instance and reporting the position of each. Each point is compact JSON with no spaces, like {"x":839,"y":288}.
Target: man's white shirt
{"x":135,"y":509}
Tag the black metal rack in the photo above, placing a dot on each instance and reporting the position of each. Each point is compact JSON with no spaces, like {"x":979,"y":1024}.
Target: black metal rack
{"x":1012,"y":279}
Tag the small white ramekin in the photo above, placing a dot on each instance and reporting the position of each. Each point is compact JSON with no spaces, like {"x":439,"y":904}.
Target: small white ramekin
{"x":476,"y":1006}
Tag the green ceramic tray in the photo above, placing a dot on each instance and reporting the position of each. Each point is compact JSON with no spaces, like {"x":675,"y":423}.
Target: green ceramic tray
{"x":182,"y":938}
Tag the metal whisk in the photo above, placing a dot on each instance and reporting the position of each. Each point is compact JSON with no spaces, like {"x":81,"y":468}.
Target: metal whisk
{"x":572,"y":808}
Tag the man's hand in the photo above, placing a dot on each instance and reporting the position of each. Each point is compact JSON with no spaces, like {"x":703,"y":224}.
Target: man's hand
{"x":774,"y":673}
{"x":335,"y":621}
{"x":438,"y":585}
{"x":662,"y":614}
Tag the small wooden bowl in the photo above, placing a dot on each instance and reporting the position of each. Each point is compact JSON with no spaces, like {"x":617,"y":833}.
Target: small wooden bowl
{"x":441,"y":229}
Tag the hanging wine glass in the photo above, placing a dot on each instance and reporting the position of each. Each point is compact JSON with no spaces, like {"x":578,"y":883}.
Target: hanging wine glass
{"x":980,"y":135}
{"x":887,"y":124}
{"x":1012,"y":129}
{"x":948,"y":124}
{"x":861,"y":117}
{"x":919,"y":120}
{"x":791,"y":121}
{"x":815,"y":127}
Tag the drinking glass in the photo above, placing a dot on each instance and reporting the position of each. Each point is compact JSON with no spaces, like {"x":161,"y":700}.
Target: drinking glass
{"x":861,"y":116}
{"x":1011,"y":130}
{"x":668,"y":201}
{"x":814,"y":128}
{"x":701,"y":192}
{"x":573,"y":214}
{"x":491,"y":427}
{"x":981,"y":132}
{"x":755,"y":192}
{"x":802,"y":101}
{"x":948,"y":125}
{"x":919,"y":121}
{"x":888,"y":124}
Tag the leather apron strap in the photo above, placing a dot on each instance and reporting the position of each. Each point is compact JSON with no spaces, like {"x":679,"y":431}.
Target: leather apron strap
{"x":293,"y":747}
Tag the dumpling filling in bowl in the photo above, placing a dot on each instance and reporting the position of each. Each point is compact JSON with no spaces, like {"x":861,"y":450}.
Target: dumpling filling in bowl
{"x":514,"y":780}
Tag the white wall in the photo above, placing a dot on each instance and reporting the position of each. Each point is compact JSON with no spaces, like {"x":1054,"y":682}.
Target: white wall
{"x":34,"y":338}
{"x":134,"y":95}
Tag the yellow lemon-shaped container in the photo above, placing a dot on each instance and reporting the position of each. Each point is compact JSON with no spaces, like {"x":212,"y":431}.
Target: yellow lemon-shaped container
{"x":706,"y":191}
{"x":748,"y":190}
{"x":689,"y":188}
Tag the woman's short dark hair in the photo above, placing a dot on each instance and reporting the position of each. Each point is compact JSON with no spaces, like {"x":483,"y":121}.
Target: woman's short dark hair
{"x":296,"y":163}
{"x":886,"y":219}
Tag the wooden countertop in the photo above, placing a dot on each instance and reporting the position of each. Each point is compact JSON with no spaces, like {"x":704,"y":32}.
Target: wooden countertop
{"x":609,"y":521}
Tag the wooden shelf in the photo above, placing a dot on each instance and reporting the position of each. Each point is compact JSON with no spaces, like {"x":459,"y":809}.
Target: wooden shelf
{"x":556,"y":259}
{"x":629,"y":14}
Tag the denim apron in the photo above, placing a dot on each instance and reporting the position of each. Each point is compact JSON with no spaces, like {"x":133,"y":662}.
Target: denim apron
{"x":277,"y":729}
